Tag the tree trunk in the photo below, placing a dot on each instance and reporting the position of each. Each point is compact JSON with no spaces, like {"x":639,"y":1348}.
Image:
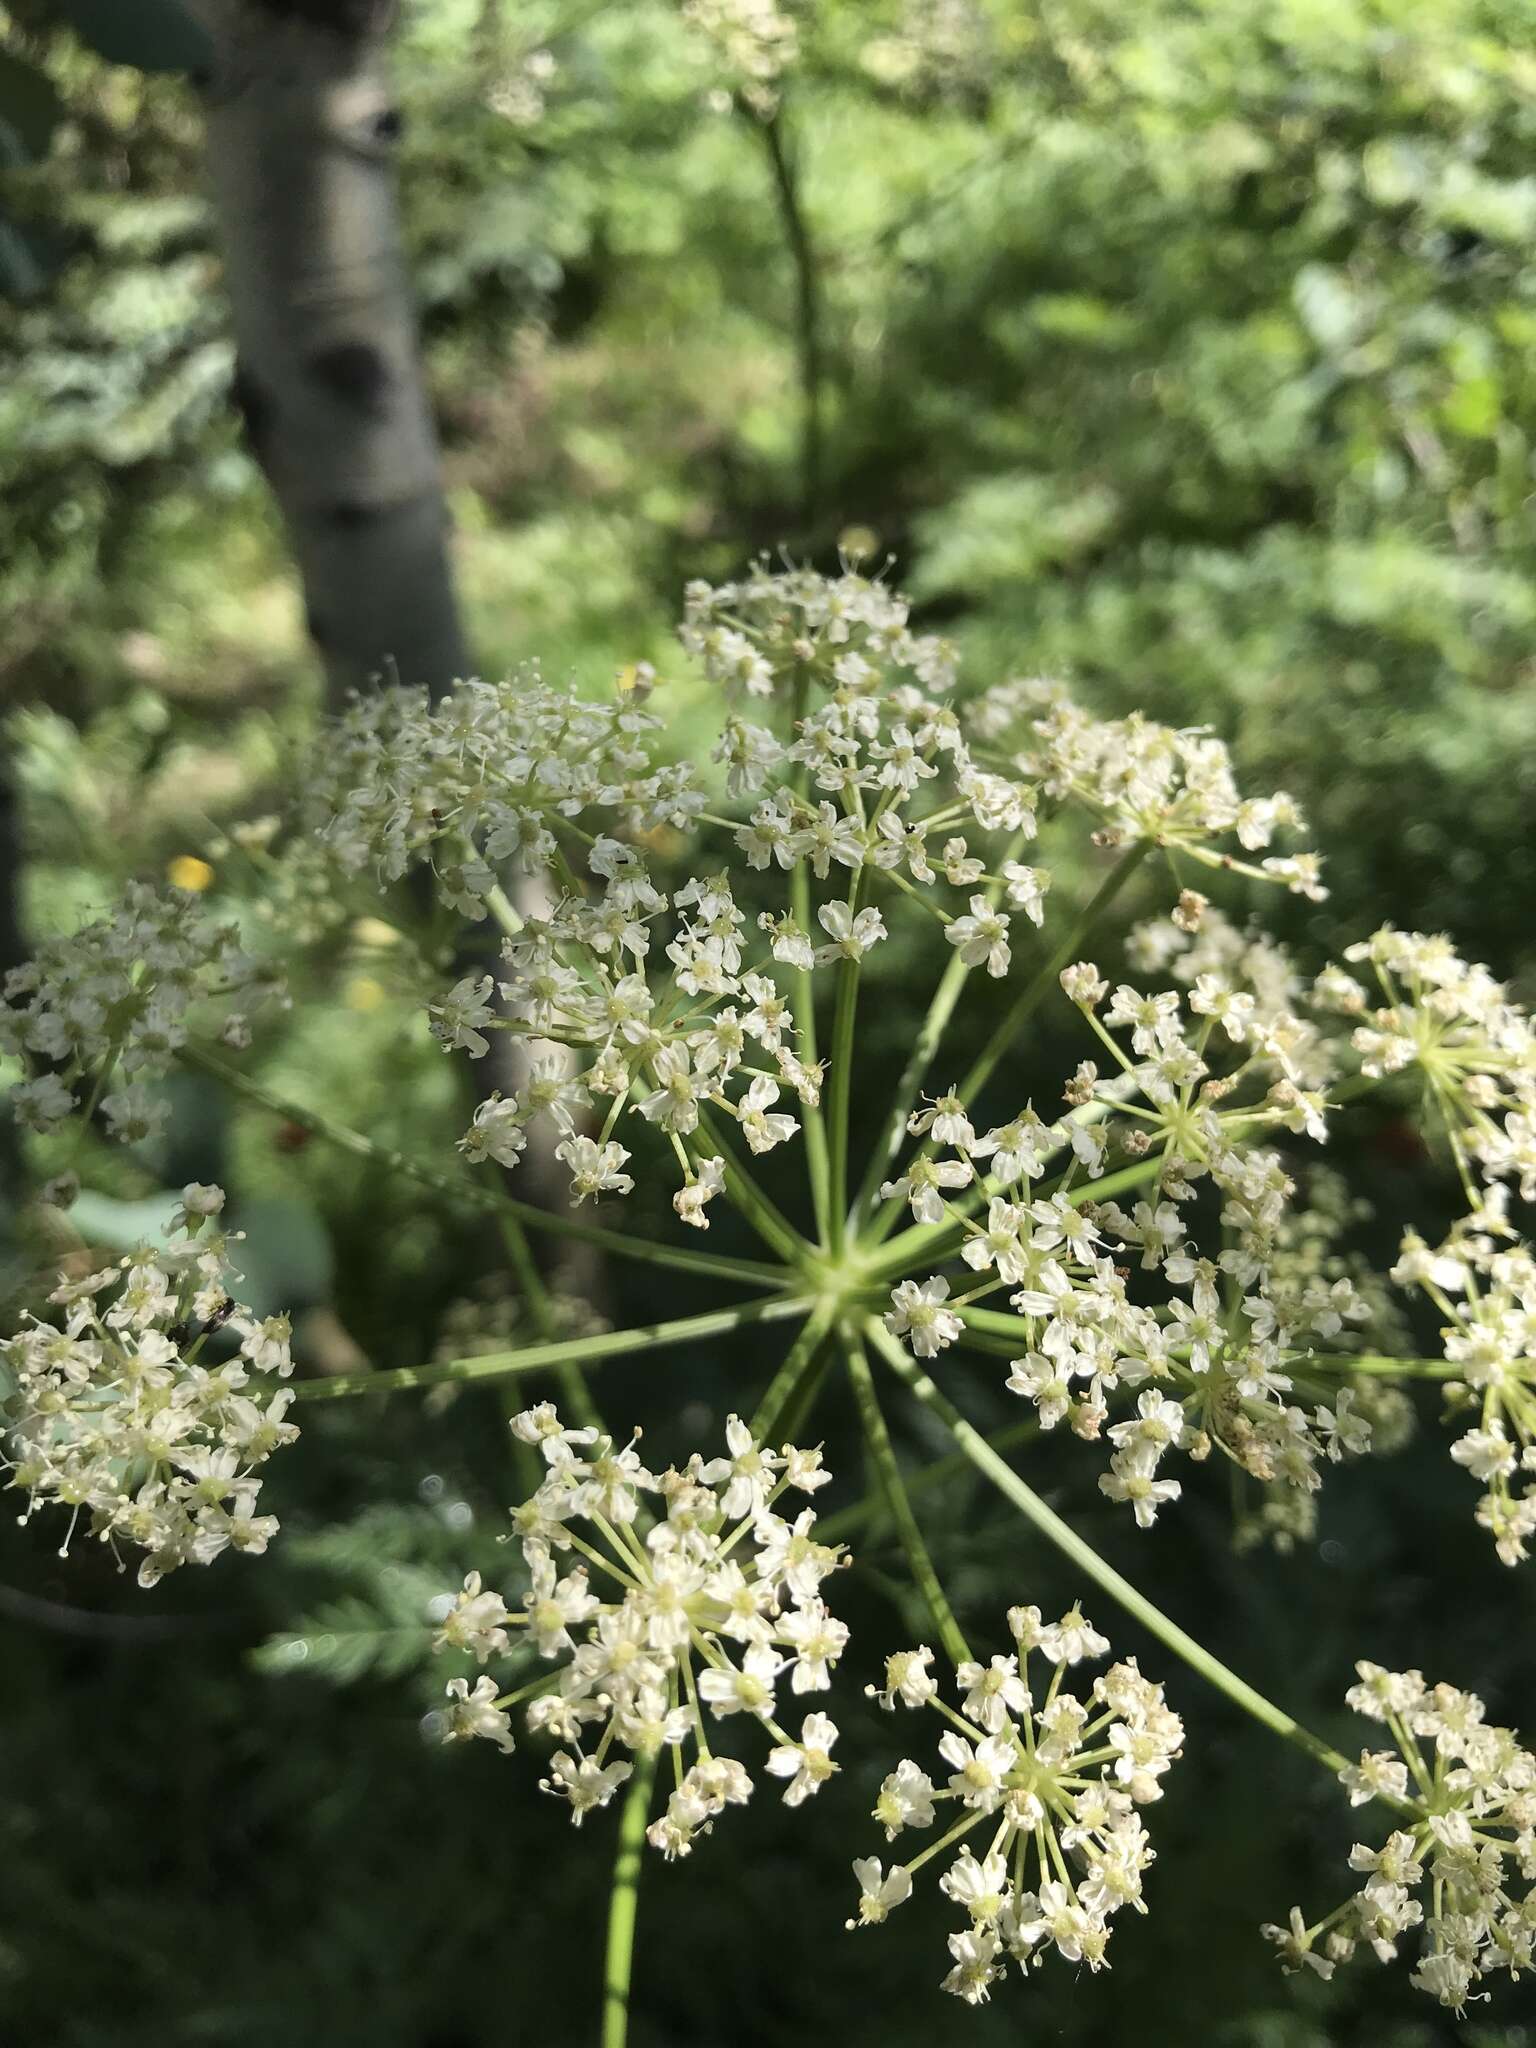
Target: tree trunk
{"x":302,"y":137}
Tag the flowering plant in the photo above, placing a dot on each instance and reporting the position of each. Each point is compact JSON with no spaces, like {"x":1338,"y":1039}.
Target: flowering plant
{"x":1127,"y":1246}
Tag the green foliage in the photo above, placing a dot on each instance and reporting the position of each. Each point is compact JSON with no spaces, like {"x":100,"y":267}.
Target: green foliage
{"x":376,"y":1624}
{"x":1248,"y":326}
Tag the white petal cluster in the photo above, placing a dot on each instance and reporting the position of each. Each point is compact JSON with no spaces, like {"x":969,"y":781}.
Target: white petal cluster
{"x":118,"y":1415}
{"x":479,"y":780}
{"x":1126,"y":1330}
{"x":1450,"y":1028}
{"x":754,"y":41}
{"x":1458,"y":1874}
{"x":701,"y":1028}
{"x":1042,"y":1793}
{"x":1144,"y":780}
{"x":760,"y":635}
{"x":672,"y":1005}
{"x":103,"y":1012}
{"x":1485,"y":1290}
{"x":1455,"y":1027}
{"x":706,"y":1606}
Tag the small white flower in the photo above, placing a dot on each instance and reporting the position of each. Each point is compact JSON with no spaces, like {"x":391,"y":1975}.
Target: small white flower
{"x":851,"y":936}
{"x":807,"y":1763}
{"x":762,"y":1126}
{"x":978,"y":1769}
{"x":908,"y":1679}
{"x":993,"y":1692}
{"x":457,"y":1019}
{"x":976,"y":1966}
{"x":691,"y":1200}
{"x":595,"y":1169}
{"x":1071,"y":1640}
{"x":1027,"y":889}
{"x":905,"y":1801}
{"x":879,"y":1896}
{"x":476,"y":1713}
{"x":744,"y":1689}
{"x":917,"y":1311}
{"x":584,"y":1782}
{"x":475,"y":1622}
{"x":982,"y":937}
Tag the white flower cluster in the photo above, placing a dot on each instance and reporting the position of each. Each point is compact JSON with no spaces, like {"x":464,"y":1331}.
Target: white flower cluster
{"x":939,"y":48}
{"x":1145,"y":781}
{"x":1228,"y":1359}
{"x":477,"y":780}
{"x":1486,"y":1291}
{"x":1461,"y":1866}
{"x":115,"y":1001}
{"x":774,"y":632}
{"x":705,"y":1609}
{"x":1053,"y":1784}
{"x":670,"y":1048}
{"x":675,"y":999}
{"x":1472,"y":1050}
{"x":117,"y":1415}
{"x":755,"y":42}
{"x":521,"y":90}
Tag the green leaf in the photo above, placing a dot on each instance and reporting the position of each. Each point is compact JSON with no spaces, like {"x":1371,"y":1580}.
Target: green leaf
{"x":381,"y":1629}
{"x":285,"y":1256}
{"x":344,"y":1641}
{"x":117,"y":1226}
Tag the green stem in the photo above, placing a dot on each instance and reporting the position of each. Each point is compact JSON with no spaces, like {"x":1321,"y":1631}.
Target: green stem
{"x":991,"y":1322}
{"x":805,"y":1020}
{"x":932,"y":1243}
{"x":1087,"y":1559}
{"x":537,"y":1357}
{"x":934,"y":1025}
{"x":749,"y":1272}
{"x":837,"y":1105}
{"x":770,"y":1223}
{"x":623,"y":1902}
{"x":1005,"y":1038}
{"x":808,"y":349}
{"x":796,"y":1412}
{"x":503,"y":911}
{"x":883,"y":1453}
{"x":802,"y":1354}
{"x":1388,"y":1368}
{"x":830,"y":1528}
{"x":573,"y":1386}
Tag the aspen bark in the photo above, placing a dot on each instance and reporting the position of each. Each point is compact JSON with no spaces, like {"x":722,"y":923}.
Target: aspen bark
{"x":302,"y":137}
{"x":303,"y":133}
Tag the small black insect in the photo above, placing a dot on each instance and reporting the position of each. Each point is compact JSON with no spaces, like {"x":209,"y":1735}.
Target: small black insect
{"x":220,"y":1317}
